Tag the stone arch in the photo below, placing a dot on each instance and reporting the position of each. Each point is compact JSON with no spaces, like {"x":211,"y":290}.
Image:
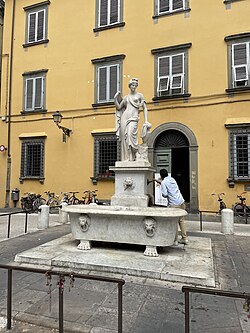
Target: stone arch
{"x":193,"y":156}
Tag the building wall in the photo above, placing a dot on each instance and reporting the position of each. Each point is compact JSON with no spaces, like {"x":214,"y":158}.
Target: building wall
{"x":70,"y":88}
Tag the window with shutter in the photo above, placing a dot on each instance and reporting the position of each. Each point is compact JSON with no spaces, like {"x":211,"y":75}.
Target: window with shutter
{"x":170,"y":75}
{"x":36,"y":23}
{"x":108,"y":12}
{"x":169,"y":6}
{"x":34,"y":91}
{"x":171,"y":71}
{"x":108,"y":76}
{"x":240,"y":64}
{"x":107,"y":82}
{"x":238,"y":47}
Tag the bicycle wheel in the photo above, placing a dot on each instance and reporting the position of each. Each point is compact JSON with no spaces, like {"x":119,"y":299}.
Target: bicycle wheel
{"x":38,"y":202}
{"x":239,"y":211}
{"x":53,"y":205}
{"x":26,"y":205}
{"x":247,"y":214}
{"x":75,"y":201}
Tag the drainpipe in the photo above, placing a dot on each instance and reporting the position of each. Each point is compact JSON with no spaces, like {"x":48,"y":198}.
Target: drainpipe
{"x":8,"y":176}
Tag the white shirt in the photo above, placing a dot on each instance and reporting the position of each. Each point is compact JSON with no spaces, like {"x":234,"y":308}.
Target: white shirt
{"x":170,"y":190}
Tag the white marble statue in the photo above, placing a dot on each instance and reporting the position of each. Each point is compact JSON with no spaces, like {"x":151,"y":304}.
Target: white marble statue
{"x":127,"y":118}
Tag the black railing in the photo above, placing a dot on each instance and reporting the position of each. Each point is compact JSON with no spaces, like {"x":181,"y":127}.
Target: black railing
{"x":187,"y":290}
{"x":205,"y":211}
{"x":9,"y":220}
{"x":61,"y":275}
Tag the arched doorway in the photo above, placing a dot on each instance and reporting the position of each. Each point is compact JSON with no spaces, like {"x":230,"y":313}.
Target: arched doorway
{"x":171,"y":151}
{"x":173,"y":146}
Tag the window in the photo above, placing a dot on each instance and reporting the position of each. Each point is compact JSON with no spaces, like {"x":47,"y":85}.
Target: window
{"x":107,"y":78}
{"x":171,"y":71}
{"x":166,"y":7}
{"x":36,"y":23}
{"x":32,"y":159}
{"x":239,"y":61}
{"x":106,"y":153}
{"x":109,"y":14}
{"x":34,"y":91}
{"x":239,"y":148}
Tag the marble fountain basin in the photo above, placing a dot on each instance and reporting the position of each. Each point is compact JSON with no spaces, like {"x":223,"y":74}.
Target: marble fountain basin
{"x":149,"y":226}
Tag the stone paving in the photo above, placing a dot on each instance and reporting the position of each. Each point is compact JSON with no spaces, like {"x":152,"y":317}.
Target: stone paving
{"x":149,"y":305}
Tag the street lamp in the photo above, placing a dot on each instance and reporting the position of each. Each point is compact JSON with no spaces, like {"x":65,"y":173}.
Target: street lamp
{"x":57,"y":117}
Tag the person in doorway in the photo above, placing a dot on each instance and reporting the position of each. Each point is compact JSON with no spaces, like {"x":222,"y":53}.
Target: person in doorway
{"x":170,"y":190}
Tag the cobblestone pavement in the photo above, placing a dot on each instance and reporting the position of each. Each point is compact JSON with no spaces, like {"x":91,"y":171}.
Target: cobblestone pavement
{"x":149,"y":306}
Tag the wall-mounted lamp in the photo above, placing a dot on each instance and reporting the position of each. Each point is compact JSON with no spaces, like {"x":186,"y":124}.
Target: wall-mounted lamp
{"x":57,"y":117}
{"x":3,"y":148}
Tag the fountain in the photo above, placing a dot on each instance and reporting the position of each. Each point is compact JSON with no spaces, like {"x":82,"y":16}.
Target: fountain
{"x":128,"y":219}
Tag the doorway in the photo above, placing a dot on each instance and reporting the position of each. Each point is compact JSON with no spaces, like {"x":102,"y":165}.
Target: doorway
{"x":180,"y":141}
{"x":172,"y":153}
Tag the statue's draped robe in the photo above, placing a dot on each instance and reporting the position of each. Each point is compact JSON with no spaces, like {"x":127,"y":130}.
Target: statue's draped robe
{"x":127,"y":124}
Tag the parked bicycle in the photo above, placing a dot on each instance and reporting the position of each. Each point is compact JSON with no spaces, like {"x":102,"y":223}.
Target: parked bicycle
{"x":31,"y":202}
{"x":52,"y":201}
{"x":240,"y":208}
{"x":71,"y":199}
{"x":89,"y":197}
{"x":222,"y":204}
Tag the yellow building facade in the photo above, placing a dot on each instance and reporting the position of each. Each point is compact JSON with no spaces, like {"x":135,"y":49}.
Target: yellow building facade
{"x":192,"y":60}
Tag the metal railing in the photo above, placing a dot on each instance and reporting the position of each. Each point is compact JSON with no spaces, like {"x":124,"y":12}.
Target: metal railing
{"x":205,"y":211}
{"x":61,"y":275}
{"x":9,"y":220}
{"x":187,"y":290}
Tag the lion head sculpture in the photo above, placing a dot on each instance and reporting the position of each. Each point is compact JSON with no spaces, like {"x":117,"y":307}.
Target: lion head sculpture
{"x":150,"y":226}
{"x":84,"y":222}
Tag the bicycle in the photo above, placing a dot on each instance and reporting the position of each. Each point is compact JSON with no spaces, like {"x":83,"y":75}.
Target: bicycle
{"x":222,"y":204}
{"x":52,"y":201}
{"x":240,"y":208}
{"x":31,"y":201}
{"x":27,"y":201}
{"x":71,"y":200}
{"x":39,"y":201}
{"x":89,"y":197}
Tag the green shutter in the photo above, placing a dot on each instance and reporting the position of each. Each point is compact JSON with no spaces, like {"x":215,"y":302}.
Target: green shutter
{"x":103,"y":12}
{"x":40,"y":25}
{"x":32,"y":27}
{"x":113,"y":81}
{"x":114,"y":7}
{"x":102,"y":84}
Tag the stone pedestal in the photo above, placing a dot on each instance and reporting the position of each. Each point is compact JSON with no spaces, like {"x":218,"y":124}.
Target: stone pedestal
{"x":131,"y":188}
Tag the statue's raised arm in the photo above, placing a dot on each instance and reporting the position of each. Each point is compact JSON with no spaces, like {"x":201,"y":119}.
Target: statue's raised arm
{"x":119,"y":108}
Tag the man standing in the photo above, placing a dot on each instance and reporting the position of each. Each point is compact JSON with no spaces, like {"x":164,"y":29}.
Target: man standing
{"x":170,"y":190}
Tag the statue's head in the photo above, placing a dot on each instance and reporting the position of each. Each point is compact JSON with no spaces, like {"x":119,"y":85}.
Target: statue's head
{"x":133,"y":81}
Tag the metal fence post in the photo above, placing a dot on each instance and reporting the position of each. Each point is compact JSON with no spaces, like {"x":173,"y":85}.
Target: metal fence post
{"x":200,"y":220}
{"x":187,"y":319}
{"x":119,"y":307}
{"x":26,"y":223}
{"x":8,"y":231}
{"x":9,"y":299}
{"x":60,"y":289}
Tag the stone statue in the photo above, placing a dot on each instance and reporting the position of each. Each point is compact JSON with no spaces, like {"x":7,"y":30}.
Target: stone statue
{"x":127,"y":118}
